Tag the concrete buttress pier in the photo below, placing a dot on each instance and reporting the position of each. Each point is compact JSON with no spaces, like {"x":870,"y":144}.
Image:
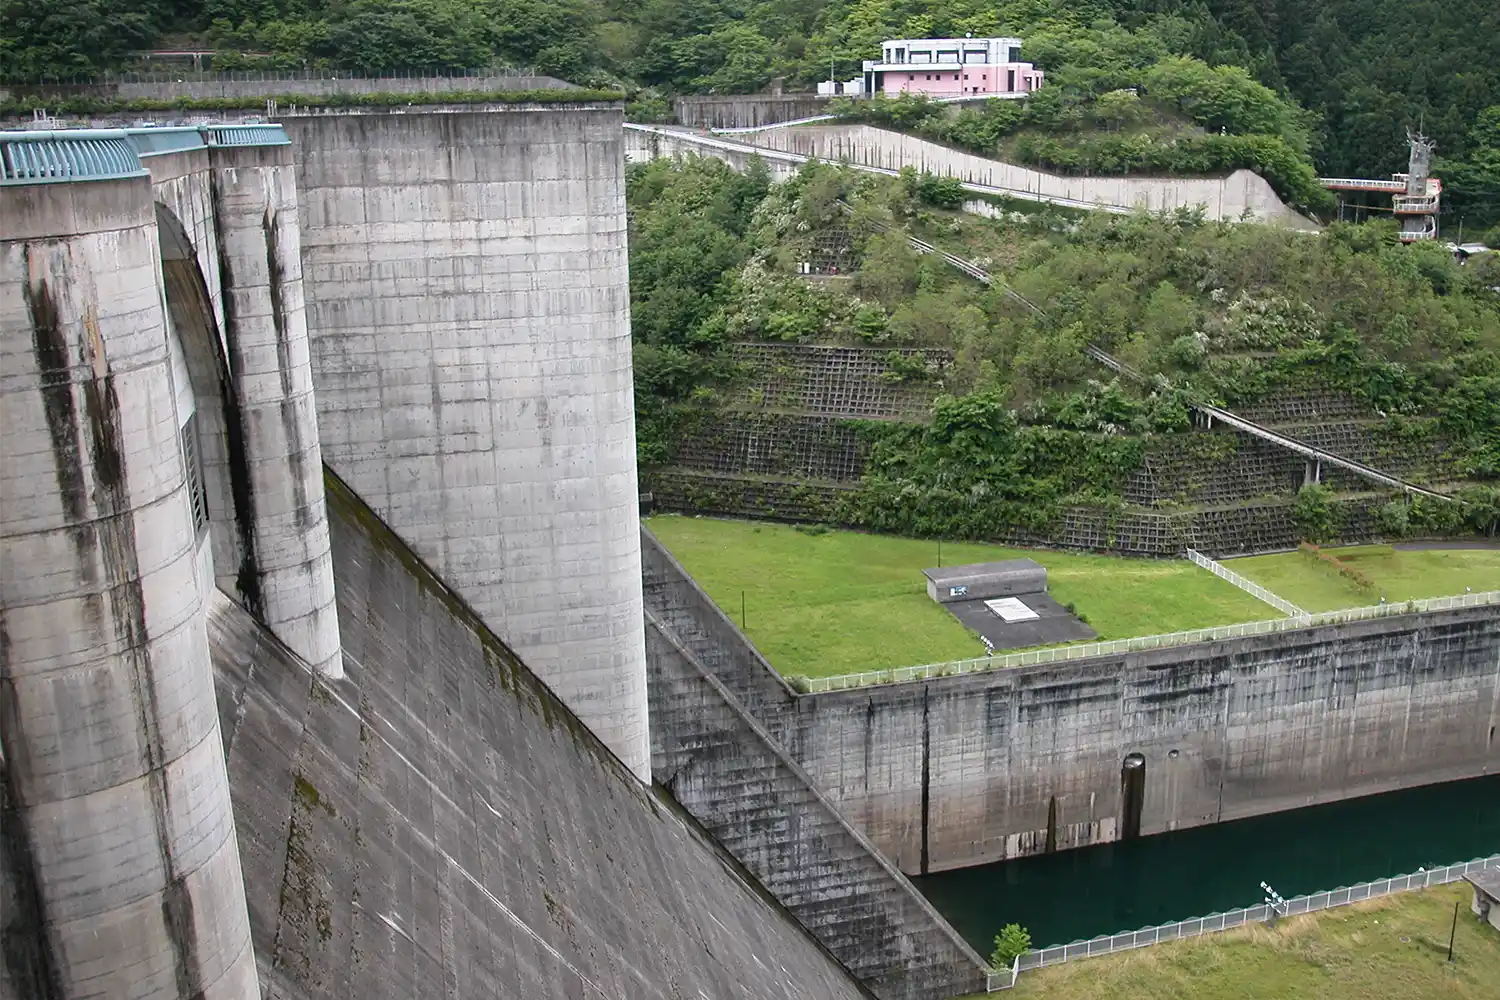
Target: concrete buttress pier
{"x":121,"y":872}
{"x":468,"y":302}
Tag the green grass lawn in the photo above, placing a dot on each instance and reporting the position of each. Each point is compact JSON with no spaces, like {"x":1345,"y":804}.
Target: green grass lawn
{"x":842,"y":602}
{"x":1398,"y":575}
{"x":1392,"y":948}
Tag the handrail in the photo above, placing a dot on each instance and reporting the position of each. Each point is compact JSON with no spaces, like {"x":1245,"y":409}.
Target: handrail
{"x":1360,"y":184}
{"x":1059,"y":654}
{"x":1249,"y":586}
{"x":1318,"y":454}
{"x":1297,"y":905}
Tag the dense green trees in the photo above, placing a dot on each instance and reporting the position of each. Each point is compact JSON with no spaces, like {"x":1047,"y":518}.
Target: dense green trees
{"x":1365,"y":70}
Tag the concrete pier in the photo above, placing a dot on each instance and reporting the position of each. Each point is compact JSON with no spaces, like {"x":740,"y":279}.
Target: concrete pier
{"x":120,"y":851}
{"x":468,"y":303}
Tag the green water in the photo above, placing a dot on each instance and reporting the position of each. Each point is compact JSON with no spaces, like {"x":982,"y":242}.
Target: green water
{"x":1078,"y":894}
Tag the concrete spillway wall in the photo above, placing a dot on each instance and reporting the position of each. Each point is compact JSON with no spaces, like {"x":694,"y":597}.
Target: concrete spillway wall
{"x":1240,"y":194}
{"x":468,"y":302}
{"x":437,"y":823}
{"x":967,"y":770}
{"x":120,"y":852}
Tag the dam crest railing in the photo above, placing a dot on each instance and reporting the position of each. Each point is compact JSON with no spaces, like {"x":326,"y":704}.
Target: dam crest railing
{"x":1058,"y":654}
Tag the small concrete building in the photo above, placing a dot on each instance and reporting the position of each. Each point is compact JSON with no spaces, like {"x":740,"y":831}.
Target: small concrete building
{"x":1486,"y":905}
{"x":981,"y":581}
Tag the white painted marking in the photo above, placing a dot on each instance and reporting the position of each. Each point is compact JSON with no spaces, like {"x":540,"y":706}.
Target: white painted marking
{"x":1012,"y":609}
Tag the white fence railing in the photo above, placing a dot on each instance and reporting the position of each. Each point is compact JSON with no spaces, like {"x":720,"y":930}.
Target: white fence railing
{"x":1104,"y":945}
{"x":1056,"y":654}
{"x":1250,"y":587}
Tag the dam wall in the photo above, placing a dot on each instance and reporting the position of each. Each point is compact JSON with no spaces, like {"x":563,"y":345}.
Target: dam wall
{"x":166,"y":86}
{"x":468,"y":306}
{"x":438,"y":816}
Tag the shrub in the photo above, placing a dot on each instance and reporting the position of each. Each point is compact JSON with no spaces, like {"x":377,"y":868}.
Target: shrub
{"x":1011,"y":942}
{"x":1318,"y":517}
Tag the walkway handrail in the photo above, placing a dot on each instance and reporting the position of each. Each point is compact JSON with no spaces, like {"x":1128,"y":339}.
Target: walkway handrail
{"x":1309,"y":451}
{"x":1275,"y":437}
{"x":1360,"y":184}
{"x":1115,"y":647}
{"x":1249,"y":586}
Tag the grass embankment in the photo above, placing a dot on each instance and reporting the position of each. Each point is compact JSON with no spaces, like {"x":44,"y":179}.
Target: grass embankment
{"x":1393,"y":948}
{"x":842,"y":602}
{"x":1396,"y":574}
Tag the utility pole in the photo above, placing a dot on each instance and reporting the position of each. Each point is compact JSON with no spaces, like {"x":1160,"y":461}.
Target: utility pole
{"x":1453,"y":931}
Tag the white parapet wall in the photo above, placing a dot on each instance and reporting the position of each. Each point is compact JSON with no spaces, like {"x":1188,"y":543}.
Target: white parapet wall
{"x":1241,"y":194}
{"x":468,"y":303}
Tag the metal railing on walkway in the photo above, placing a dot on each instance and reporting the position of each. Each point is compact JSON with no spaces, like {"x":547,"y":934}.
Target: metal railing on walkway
{"x":1250,"y":587}
{"x":1214,"y":922}
{"x":1058,"y":654}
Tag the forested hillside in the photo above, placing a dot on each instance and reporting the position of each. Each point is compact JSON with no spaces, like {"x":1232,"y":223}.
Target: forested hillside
{"x":1024,"y":421}
{"x":1365,"y":69}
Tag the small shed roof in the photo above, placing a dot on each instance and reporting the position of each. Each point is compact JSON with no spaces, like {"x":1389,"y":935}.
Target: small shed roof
{"x":961,"y":574}
{"x":1486,"y":881}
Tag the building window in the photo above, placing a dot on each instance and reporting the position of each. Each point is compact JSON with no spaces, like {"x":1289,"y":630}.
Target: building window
{"x":197,"y":493}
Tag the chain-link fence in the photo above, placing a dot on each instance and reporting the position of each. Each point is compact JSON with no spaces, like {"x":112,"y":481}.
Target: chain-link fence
{"x":897,"y":675}
{"x":1107,"y":944}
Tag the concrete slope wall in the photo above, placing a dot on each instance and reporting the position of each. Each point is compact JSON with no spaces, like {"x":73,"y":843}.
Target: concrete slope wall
{"x":728,"y":772}
{"x":714,"y":642}
{"x":966,"y":770}
{"x":1227,"y":198}
{"x":120,"y":849}
{"x":437,"y":823}
{"x":468,"y":300}
{"x":746,"y":111}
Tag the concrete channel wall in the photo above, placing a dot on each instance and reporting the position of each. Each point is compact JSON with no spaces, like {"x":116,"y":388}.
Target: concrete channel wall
{"x":965,"y":770}
{"x":727,"y":771}
{"x":468,"y":305}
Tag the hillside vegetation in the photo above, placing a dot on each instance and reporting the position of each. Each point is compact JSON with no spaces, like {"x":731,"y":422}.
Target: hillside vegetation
{"x":1024,"y":421}
{"x":1364,"y":69}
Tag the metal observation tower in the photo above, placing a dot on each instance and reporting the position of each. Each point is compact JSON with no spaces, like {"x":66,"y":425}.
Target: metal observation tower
{"x":1415,"y":195}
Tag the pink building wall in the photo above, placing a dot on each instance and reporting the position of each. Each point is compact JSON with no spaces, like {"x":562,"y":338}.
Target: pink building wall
{"x":955,"y":80}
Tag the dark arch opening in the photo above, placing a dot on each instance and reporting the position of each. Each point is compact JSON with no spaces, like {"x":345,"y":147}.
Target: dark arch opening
{"x":220,"y":428}
{"x":1132,"y":795}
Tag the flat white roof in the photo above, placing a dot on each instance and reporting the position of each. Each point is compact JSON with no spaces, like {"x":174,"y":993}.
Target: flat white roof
{"x":950,"y":41}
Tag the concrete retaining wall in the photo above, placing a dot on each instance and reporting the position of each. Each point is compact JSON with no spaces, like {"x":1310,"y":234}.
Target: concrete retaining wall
{"x":1228,"y":198}
{"x":747,"y":111}
{"x":963,"y":771}
{"x":644,"y":143}
{"x":468,"y":302}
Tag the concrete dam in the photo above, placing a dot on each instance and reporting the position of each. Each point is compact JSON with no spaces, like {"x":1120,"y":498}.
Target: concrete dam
{"x":334,"y":662}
